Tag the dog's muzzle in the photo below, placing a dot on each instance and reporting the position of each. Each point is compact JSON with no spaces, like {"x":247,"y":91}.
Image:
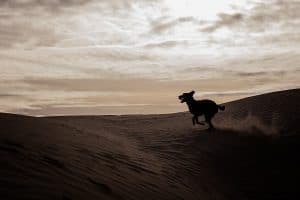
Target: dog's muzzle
{"x":181,"y":99}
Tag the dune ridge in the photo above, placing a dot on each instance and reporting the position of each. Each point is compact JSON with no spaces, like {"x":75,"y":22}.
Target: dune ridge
{"x":156,"y":156}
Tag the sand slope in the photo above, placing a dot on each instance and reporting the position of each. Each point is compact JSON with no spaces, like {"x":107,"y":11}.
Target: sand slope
{"x":252,"y":155}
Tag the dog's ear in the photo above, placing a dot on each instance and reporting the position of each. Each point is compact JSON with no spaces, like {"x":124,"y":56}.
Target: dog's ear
{"x":192,"y":92}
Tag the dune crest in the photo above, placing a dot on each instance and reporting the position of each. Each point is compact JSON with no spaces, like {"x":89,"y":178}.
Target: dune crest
{"x":275,"y":113}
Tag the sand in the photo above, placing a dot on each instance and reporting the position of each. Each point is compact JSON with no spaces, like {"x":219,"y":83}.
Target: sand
{"x":253,"y":154}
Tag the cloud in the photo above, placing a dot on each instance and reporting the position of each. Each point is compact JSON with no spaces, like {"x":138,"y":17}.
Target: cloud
{"x":29,"y":24}
{"x":165,"y":24}
{"x":224,"y":21}
{"x":24,"y":25}
{"x":48,"y":5}
{"x":261,"y":17}
{"x":8,"y":95}
{"x":61,"y":5}
{"x":166,"y":44}
{"x":22,"y":33}
{"x":91,"y":52}
{"x":261,"y":73}
{"x":228,"y":94}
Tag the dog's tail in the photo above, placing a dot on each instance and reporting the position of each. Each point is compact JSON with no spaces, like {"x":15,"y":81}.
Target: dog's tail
{"x":221,"y":107}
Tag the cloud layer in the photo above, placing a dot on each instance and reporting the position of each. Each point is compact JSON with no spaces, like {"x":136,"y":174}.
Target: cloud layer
{"x":68,"y":53}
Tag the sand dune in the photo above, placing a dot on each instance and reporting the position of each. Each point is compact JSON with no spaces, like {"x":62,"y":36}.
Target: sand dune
{"x":253,"y":154}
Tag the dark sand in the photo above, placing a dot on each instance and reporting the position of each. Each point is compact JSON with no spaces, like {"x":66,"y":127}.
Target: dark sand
{"x":253,"y":154}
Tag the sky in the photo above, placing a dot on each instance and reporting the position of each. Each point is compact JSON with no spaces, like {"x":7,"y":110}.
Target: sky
{"x":73,"y":57}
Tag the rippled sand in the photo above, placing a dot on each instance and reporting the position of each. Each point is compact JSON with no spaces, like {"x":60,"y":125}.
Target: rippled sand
{"x":253,"y":154}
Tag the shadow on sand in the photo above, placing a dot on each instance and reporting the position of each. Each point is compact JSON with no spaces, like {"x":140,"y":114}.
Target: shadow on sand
{"x":258,"y":166}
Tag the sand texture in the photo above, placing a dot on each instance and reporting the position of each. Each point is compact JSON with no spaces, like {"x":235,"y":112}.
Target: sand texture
{"x":253,"y":154}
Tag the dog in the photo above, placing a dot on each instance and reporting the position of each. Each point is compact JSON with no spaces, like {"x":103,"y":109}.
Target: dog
{"x":205,"y":107}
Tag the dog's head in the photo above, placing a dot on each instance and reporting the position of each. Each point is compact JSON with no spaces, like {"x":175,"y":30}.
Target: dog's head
{"x":186,"y":96}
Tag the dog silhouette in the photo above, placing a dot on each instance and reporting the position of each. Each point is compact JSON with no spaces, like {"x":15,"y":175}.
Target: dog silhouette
{"x":205,"y":107}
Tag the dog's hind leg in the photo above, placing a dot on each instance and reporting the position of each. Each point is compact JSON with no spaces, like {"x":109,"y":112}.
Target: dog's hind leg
{"x":208,"y":120}
{"x":193,"y":119}
{"x":197,"y":121}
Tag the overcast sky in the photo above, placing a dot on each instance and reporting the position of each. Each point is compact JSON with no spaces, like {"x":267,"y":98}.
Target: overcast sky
{"x":137,"y":56}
